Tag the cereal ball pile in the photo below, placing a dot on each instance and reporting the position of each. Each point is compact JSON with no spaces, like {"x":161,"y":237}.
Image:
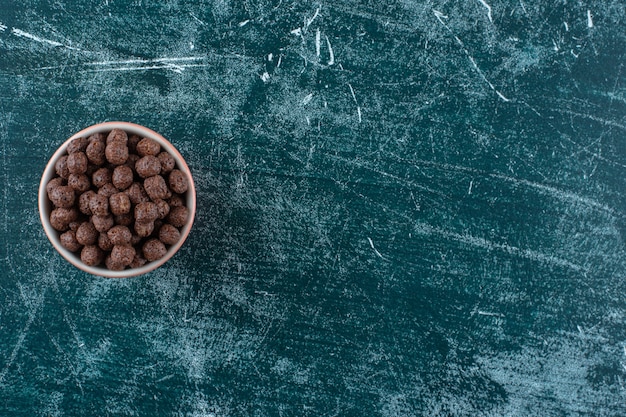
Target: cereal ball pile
{"x":118,"y":200}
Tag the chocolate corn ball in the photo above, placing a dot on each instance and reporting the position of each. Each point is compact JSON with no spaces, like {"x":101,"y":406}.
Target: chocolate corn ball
{"x":148,"y":166}
{"x":144,"y":229}
{"x":153,"y":249}
{"x":61,"y":167}
{"x":107,"y":190}
{"x":119,"y":235}
{"x":60,"y":218}
{"x":77,"y":163}
{"x":124,"y":219}
{"x":156,"y":188}
{"x":104,"y":242}
{"x":146,"y":212}
{"x":111,"y":265}
{"x":117,"y":135}
{"x":69,"y":242}
{"x":122,"y":177}
{"x":97,"y":137}
{"x":77,"y":145}
{"x":116,"y":152}
{"x":119,"y":203}
{"x":99,"y":205}
{"x":168,"y":234}
{"x":163,"y":208}
{"x":100,"y":177}
{"x":133,"y":140}
{"x":54,"y":182}
{"x":178,"y":216}
{"x":79,"y":182}
{"x":62,"y":196}
{"x":132,"y":161}
{"x":87,"y":234}
{"x":176,"y":201}
{"x":83,"y":202}
{"x":178,"y":181}
{"x":167,"y":161}
{"x":91,"y":255}
{"x":95,"y":152}
{"x":138,"y":261}
{"x":137,"y":193}
{"x":147,"y":146}
{"x":103,"y":223}
{"x":123,"y":254}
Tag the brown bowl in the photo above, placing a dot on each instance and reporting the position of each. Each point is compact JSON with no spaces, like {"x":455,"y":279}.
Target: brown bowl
{"x":45,"y":205}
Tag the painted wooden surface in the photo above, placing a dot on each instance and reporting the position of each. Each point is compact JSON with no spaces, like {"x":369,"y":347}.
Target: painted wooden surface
{"x":405,"y":209}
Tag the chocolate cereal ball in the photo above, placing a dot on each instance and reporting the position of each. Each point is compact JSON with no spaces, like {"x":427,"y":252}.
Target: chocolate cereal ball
{"x":117,"y":135}
{"x":147,"y":146}
{"x":99,"y":205}
{"x":148,"y":166}
{"x":95,"y":152}
{"x":116,"y":152}
{"x":167,"y":162}
{"x":103,"y":223}
{"x":104,"y":242}
{"x":77,"y":163}
{"x":178,"y":216}
{"x":100,"y":177}
{"x":137,"y":193}
{"x":163,"y":208}
{"x":156,"y":188}
{"x":77,"y":145}
{"x":61,"y":167}
{"x":119,"y":235}
{"x":83,"y":202}
{"x":178,"y":181}
{"x":146,"y":212}
{"x":60,"y":218}
{"x":69,"y":242}
{"x":111,"y":265}
{"x":55,"y":182}
{"x":168,"y":234}
{"x":133,"y":140}
{"x":144,"y":229}
{"x":176,"y":201}
{"x":119,"y":203}
{"x":138,"y":261}
{"x":63,"y":196}
{"x":91,"y":255}
{"x":122,"y":177}
{"x":87,"y":234}
{"x":122,"y":254}
{"x":107,"y":190}
{"x":153,"y":249}
{"x":79,"y":182}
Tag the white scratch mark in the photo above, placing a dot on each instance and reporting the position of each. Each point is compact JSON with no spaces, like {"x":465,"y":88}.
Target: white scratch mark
{"x":270,"y":57}
{"x":296,"y":31}
{"x":2,"y":27}
{"x":280,"y":60}
{"x":308,"y":22}
{"x":556,"y":47}
{"x":245,"y":22}
{"x":265,"y":77}
{"x":471,"y":184}
{"x":369,"y":239}
{"x":20,"y":33}
{"x":566,"y":26}
{"x":358,"y":108}
{"x":489,"y":314}
{"x":307,"y":99}
{"x":317,"y":42}
{"x":331,"y":59}
{"x":488,"y":7}
{"x":589,"y":19}
{"x":197,"y":20}
{"x":440,"y":16}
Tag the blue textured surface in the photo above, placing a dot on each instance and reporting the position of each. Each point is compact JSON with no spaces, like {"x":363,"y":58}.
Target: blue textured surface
{"x":405,"y":209}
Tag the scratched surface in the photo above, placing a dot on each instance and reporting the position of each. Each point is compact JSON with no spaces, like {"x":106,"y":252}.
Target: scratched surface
{"x":405,"y":209}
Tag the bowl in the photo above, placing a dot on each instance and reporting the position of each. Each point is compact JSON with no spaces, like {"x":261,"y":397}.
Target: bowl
{"x":46,"y":206}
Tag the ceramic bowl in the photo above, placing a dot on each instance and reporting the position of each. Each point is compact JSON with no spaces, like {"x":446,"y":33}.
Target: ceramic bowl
{"x":45,"y":205}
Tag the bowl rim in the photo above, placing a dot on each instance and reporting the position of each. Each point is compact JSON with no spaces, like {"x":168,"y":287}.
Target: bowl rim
{"x":44,"y":203}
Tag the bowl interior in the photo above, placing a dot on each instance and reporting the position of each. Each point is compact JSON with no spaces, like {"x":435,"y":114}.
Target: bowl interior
{"x":45,"y":206}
